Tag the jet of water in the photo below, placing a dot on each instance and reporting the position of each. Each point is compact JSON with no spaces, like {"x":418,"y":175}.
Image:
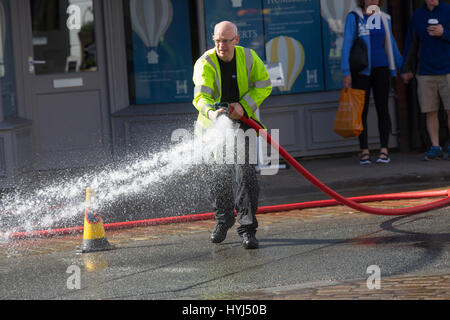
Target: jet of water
{"x":64,"y":201}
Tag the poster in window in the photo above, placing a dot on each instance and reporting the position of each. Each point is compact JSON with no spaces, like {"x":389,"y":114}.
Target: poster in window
{"x":293,"y":37}
{"x":162,"y":51}
{"x":246,"y":14}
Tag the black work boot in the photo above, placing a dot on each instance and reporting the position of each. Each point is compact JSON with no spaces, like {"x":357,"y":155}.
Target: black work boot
{"x":249,"y":241}
{"x":219,"y":233}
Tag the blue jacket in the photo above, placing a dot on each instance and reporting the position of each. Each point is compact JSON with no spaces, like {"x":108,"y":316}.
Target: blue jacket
{"x":433,"y":53}
{"x":395,"y":59}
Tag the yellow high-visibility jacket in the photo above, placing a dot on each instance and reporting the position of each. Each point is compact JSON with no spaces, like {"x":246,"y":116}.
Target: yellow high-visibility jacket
{"x":253,"y":82}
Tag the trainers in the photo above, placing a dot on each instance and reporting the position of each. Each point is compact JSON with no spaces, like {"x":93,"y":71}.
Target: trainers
{"x":365,"y":159}
{"x":249,"y":241}
{"x":434,"y":153}
{"x":383,"y":158}
{"x":219,"y":233}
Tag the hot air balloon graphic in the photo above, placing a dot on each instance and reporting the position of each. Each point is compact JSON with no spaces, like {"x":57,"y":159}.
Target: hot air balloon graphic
{"x":291,"y":54}
{"x":150,"y":20}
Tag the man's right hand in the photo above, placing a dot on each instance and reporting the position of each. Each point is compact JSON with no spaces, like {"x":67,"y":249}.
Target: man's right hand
{"x":436,"y":31}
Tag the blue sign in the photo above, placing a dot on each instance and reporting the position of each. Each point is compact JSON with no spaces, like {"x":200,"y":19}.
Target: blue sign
{"x":162,"y":51}
{"x":293,"y":37}
{"x":246,"y":14}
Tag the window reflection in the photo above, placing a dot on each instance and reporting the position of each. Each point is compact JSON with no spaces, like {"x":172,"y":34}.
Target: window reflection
{"x":3,"y":39}
{"x":8,"y":107}
{"x":334,"y":13}
{"x":63,"y":36}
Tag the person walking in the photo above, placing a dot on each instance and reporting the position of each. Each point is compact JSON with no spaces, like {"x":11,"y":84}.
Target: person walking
{"x":235,"y":75}
{"x":384,"y":59}
{"x":427,"y":46}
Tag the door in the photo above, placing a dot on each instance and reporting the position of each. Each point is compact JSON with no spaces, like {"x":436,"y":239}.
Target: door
{"x":65,"y":82}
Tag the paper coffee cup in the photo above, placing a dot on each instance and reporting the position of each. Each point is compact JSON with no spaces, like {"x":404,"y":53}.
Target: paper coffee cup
{"x":433,"y":22}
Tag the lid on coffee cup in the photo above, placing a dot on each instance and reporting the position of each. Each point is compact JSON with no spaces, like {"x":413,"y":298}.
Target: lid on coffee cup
{"x":433,"y":21}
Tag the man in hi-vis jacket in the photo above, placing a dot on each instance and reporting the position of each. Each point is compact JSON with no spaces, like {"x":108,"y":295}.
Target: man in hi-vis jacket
{"x":236,"y":75}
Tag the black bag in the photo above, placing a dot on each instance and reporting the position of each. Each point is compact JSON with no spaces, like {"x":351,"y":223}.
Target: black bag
{"x":359,"y":57}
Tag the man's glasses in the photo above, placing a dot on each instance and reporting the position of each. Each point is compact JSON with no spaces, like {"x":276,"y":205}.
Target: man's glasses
{"x":224,"y":41}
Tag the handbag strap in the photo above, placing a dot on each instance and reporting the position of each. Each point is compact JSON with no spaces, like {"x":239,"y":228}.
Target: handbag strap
{"x":357,"y":24}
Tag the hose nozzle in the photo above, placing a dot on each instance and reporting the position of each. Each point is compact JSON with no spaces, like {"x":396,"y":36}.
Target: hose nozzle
{"x":224,"y":105}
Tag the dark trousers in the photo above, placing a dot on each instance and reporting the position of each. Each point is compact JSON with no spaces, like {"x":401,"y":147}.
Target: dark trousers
{"x":379,"y":82}
{"x":235,"y":187}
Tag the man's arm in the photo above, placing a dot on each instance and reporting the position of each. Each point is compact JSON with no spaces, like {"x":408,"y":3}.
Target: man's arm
{"x":204,"y":91}
{"x":411,"y":61}
{"x":411,"y":54}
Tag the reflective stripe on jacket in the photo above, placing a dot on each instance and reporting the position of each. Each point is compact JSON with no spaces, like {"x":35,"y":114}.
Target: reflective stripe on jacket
{"x":253,"y":82}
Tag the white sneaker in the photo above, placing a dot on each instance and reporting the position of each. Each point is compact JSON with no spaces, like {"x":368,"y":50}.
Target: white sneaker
{"x":384,"y":159}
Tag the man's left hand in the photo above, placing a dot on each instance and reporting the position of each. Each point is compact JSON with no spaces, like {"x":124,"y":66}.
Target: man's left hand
{"x":238,"y":111}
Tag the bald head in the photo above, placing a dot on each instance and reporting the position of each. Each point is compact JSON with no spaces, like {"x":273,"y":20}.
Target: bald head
{"x":226,"y":38}
{"x":225,"y":26}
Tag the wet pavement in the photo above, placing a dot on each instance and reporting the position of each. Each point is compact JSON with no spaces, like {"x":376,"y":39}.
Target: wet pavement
{"x":320,"y":253}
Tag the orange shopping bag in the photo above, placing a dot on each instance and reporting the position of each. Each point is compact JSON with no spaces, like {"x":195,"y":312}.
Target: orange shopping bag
{"x":348,"y":121}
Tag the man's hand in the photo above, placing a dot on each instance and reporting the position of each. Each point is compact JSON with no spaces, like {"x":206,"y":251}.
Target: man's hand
{"x":238,"y":111}
{"x":212,"y":115}
{"x":436,"y":31}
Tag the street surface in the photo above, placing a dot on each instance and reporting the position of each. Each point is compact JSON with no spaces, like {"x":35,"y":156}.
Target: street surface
{"x":323,"y":253}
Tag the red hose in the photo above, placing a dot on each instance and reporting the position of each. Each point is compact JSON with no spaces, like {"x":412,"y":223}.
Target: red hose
{"x":209,"y":216}
{"x":350,"y":203}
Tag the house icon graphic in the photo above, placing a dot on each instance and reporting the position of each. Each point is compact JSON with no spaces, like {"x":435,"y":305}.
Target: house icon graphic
{"x":236,"y":3}
{"x":152,"y":57}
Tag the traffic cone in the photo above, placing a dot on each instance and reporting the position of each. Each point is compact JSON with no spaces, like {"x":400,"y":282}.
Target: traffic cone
{"x":94,"y":238}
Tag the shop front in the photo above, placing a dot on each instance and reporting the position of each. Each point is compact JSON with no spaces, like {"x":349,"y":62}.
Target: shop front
{"x":87,"y":82}
{"x":304,"y":36}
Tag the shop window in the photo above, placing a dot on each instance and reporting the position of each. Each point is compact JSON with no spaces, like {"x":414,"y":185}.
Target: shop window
{"x":8,"y":107}
{"x":63,"y":36}
{"x":285,"y":32}
{"x":334,"y":13}
{"x":160,"y":42}
{"x":246,"y":15}
{"x":305,"y":36}
{"x":292,"y":30}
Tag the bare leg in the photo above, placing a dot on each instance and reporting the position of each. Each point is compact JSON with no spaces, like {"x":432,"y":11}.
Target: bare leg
{"x":433,"y":127}
{"x":448,"y":119}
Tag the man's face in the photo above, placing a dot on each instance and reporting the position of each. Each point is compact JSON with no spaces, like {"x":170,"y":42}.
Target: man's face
{"x":432,"y":3}
{"x":225,"y":39}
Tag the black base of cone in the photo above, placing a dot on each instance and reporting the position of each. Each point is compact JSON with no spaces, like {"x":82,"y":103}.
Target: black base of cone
{"x":94,"y":245}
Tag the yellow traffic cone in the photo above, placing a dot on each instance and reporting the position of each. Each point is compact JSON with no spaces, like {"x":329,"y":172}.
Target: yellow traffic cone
{"x":94,"y":238}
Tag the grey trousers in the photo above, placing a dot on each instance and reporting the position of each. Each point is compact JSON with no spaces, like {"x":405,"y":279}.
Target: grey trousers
{"x":235,"y":187}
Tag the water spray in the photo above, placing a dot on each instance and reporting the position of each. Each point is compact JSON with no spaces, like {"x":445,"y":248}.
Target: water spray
{"x":58,"y":205}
